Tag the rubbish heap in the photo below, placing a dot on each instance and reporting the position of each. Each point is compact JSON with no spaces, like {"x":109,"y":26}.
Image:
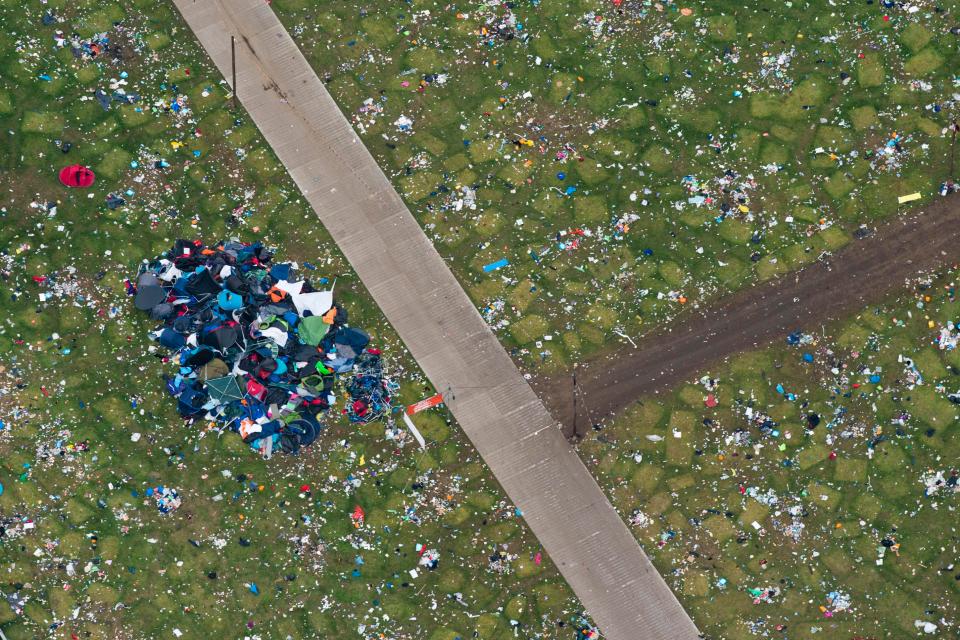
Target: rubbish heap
{"x":258,"y":349}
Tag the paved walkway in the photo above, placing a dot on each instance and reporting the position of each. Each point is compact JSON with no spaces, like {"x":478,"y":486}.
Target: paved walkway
{"x":502,"y":416}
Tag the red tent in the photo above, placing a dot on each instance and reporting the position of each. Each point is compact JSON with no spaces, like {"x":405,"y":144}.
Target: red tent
{"x":77,"y":176}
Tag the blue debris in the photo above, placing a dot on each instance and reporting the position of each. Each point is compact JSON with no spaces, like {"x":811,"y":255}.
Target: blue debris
{"x":493,"y":266}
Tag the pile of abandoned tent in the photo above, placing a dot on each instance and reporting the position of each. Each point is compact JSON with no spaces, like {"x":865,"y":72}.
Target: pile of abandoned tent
{"x":258,"y":350}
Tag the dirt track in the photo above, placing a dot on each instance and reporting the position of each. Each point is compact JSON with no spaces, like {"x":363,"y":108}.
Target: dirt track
{"x":861,"y":273}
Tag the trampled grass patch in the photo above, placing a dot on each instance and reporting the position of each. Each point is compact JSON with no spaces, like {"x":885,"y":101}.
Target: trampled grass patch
{"x":42,"y":122}
{"x":6,"y":102}
{"x":923,"y":63}
{"x":915,"y":36}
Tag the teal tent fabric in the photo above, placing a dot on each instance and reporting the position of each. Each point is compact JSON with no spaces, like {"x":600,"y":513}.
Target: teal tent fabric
{"x":225,"y":389}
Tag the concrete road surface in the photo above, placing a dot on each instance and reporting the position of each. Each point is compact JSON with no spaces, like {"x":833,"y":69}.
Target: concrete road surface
{"x":502,"y":416}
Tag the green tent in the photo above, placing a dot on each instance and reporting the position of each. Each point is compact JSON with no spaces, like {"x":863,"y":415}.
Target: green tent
{"x":225,"y":389}
{"x":312,"y":329}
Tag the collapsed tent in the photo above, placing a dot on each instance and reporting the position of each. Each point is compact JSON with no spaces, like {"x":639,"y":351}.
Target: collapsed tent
{"x":76,"y":176}
{"x":369,"y":391}
{"x":258,"y":350}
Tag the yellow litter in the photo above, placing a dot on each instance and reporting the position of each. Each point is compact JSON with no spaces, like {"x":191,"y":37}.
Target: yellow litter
{"x":909,"y":198}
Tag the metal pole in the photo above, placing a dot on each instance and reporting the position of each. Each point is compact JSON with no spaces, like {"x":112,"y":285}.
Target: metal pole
{"x":953,"y":149}
{"x":574,"y":436}
{"x":233,"y":63}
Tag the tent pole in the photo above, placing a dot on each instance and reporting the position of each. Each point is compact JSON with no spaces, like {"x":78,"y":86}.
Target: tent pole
{"x":233,"y":64}
{"x":953,"y":147}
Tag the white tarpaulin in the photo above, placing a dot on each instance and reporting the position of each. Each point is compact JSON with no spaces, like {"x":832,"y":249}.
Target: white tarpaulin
{"x":317,"y":303}
{"x":293,"y":288}
{"x":413,"y":429}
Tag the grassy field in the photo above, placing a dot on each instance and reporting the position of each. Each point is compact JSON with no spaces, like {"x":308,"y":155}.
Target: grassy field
{"x":83,"y":550}
{"x":632,"y":158}
{"x":780,"y":116}
{"x":750,"y":495}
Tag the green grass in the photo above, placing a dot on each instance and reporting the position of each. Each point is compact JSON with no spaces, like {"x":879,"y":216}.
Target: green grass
{"x":915,"y":36}
{"x":703,"y":491}
{"x":6,"y":103}
{"x":41,"y":122}
{"x":870,"y":71}
{"x":71,"y":367}
{"x":625,"y":112}
{"x":923,"y":63}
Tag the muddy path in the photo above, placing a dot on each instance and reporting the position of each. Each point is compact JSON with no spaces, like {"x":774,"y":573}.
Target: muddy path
{"x":862,"y":273}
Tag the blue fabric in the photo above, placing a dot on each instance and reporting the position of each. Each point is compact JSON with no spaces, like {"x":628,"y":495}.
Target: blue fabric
{"x":246,"y":253}
{"x":180,"y":287}
{"x":229,"y":301}
{"x":210,"y":328}
{"x":189,"y":402}
{"x":280,"y":271}
{"x":267,"y":429}
{"x":255,"y":445}
{"x":186,"y":354}
{"x":172,"y":340}
{"x":255,"y":410}
{"x":352,"y":337}
{"x":340,"y":365}
{"x":270,"y":428}
{"x":206,"y":322}
{"x":493,"y":266}
{"x":175,"y":385}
